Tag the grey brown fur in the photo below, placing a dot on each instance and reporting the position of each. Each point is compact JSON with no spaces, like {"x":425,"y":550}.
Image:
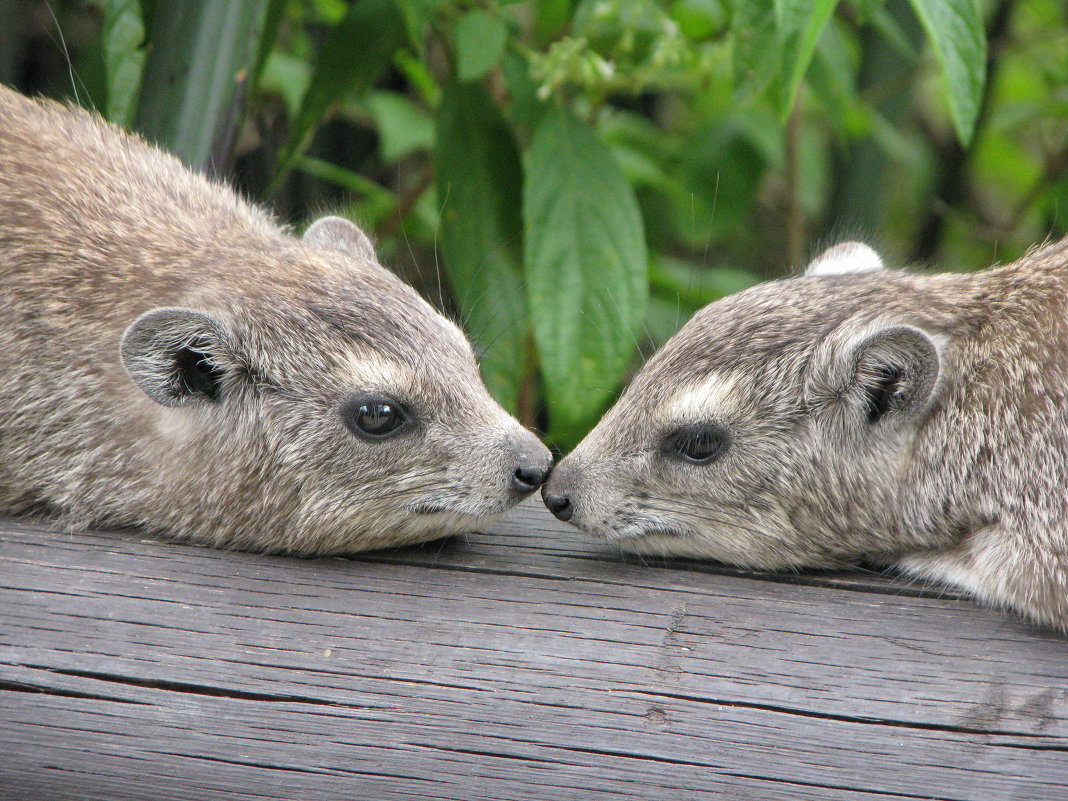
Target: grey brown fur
{"x":917,"y":420}
{"x":97,"y":229}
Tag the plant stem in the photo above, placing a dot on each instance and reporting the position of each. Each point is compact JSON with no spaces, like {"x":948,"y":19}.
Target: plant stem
{"x":527,"y":403}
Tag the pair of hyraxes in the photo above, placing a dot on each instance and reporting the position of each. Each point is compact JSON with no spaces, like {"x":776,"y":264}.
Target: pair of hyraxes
{"x":170,"y":358}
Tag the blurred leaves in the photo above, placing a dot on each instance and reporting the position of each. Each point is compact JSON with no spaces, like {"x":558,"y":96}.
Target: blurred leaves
{"x":479,"y":179}
{"x":587,"y":275}
{"x":480,"y":38}
{"x":959,"y":42}
{"x":403,"y":127}
{"x":354,"y":54}
{"x":195,"y":75}
{"x":588,"y":173}
{"x":121,"y":39}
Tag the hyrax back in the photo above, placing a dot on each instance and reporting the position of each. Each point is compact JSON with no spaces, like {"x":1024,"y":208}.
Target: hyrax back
{"x":852,"y":413}
{"x":170,"y":358}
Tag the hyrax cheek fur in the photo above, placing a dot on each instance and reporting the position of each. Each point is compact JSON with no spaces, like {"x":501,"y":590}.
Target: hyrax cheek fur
{"x":171,"y":359}
{"x":854,"y":412}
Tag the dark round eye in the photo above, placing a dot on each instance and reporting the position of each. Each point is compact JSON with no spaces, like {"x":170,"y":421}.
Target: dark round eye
{"x":697,"y":444}
{"x":374,"y":418}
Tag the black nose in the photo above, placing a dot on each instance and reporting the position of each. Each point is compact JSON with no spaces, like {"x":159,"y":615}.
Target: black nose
{"x":560,"y":505}
{"x":528,"y":479}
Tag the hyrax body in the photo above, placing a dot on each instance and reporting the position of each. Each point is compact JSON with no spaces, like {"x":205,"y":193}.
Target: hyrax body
{"x":170,"y":358}
{"x":855,"y":412}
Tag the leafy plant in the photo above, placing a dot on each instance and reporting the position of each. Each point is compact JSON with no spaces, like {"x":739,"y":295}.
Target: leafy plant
{"x":588,"y":173}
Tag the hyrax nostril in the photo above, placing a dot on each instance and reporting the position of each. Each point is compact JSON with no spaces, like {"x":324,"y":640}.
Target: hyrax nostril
{"x":528,"y":479}
{"x":560,"y":505}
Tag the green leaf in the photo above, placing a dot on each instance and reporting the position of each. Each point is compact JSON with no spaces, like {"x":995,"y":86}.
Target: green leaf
{"x":525,"y":108}
{"x":124,"y":60}
{"x":196,"y":74}
{"x":586,"y":268}
{"x":417,"y":16}
{"x":287,"y":76}
{"x":959,"y":41}
{"x":800,"y":23}
{"x":403,"y":127}
{"x":479,"y":184}
{"x":757,"y":50}
{"x":773,"y":44}
{"x":355,"y":52}
{"x":699,"y":19}
{"x":480,"y":38}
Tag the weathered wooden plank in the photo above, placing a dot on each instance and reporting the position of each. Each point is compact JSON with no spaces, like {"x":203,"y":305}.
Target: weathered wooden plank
{"x":173,"y":671}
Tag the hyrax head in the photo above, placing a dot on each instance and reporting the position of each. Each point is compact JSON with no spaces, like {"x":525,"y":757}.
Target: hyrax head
{"x":316,"y":404}
{"x":774,"y":429}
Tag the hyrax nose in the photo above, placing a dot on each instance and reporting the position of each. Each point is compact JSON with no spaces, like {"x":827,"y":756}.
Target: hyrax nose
{"x":559,"y":505}
{"x":532,"y":464}
{"x":528,"y":479}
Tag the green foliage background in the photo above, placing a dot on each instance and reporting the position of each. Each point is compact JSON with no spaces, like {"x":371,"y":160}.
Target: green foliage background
{"x":574,"y":178}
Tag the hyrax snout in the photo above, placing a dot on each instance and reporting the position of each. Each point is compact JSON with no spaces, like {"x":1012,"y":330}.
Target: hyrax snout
{"x":855,"y":412}
{"x":170,"y":358}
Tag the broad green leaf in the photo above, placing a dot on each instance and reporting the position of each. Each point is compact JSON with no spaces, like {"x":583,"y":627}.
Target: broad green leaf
{"x":800,"y":23}
{"x":550,"y":17}
{"x":417,"y":16}
{"x":355,"y":52}
{"x":955,"y":29}
{"x":403,"y":127}
{"x":196,"y":74}
{"x":868,"y":9}
{"x":700,"y":19}
{"x":757,"y":49}
{"x":479,"y":183}
{"x":124,"y":60}
{"x":480,"y":38}
{"x":525,"y":108}
{"x":287,"y":76}
{"x":773,"y":44}
{"x":586,"y":269}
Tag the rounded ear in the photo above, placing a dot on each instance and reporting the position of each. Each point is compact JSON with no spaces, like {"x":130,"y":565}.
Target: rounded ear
{"x":877,"y":376}
{"x":341,"y":234}
{"x":178,"y":357}
{"x":844,"y":258}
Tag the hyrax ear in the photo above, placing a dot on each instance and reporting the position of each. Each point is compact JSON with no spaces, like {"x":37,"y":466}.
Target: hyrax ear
{"x":847,"y":257}
{"x":876,"y":376}
{"x":340,"y":234}
{"x":178,"y":357}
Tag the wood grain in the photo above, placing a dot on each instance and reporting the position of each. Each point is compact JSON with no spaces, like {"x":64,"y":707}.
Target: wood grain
{"x":526,"y":663}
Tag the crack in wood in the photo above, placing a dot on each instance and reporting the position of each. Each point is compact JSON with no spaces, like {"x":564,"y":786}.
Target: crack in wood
{"x":806,"y":713}
{"x":39,"y":689}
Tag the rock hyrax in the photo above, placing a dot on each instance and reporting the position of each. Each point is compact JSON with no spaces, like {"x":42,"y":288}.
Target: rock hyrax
{"x":854,"y":412}
{"x":170,"y":358}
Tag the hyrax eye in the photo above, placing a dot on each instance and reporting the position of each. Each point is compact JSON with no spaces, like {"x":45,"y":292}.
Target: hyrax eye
{"x":374,"y":417}
{"x":699,"y":444}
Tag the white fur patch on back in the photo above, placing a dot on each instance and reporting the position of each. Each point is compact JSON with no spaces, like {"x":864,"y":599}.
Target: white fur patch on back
{"x":845,"y":258}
